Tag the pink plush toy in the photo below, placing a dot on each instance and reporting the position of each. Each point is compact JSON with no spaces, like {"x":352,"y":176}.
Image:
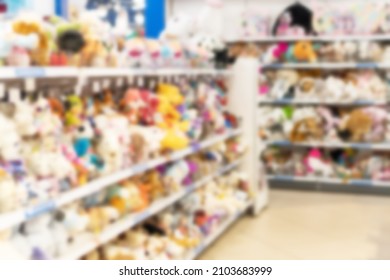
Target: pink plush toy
{"x":315,"y":165}
{"x":379,"y":120}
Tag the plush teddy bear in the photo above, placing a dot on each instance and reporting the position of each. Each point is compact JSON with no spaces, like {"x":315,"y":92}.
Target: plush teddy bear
{"x":355,"y":125}
{"x":284,"y":83}
{"x":306,"y":126}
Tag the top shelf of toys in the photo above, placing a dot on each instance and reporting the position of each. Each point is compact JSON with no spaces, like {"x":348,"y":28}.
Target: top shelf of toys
{"x":53,"y":46}
{"x":365,"y":20}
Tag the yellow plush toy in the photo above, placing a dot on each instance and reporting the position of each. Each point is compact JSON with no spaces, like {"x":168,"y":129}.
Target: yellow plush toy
{"x":39,"y":56}
{"x":175,"y":129}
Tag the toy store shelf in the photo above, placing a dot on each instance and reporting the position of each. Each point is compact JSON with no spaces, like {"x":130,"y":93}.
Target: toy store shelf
{"x":325,"y":65}
{"x":282,"y":102}
{"x":209,"y":240}
{"x":89,"y":242}
{"x":38,"y":72}
{"x":360,"y":146}
{"x":274,"y":39}
{"x":14,"y":218}
{"x":356,"y":183}
{"x":72,"y":72}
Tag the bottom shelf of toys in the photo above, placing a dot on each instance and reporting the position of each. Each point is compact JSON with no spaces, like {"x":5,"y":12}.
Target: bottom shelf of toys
{"x":186,"y":228}
{"x":349,"y":167}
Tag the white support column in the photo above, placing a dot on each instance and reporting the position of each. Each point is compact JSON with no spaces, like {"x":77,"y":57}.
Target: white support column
{"x":243,"y":102}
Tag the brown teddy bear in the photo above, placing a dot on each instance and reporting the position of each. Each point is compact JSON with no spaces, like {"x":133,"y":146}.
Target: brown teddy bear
{"x":355,"y":125}
{"x":307,"y":129}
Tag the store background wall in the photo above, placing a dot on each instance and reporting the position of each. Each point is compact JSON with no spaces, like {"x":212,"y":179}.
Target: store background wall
{"x":233,"y":9}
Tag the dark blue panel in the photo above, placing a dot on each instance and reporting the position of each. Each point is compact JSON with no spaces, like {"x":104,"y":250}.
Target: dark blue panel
{"x":155,"y":18}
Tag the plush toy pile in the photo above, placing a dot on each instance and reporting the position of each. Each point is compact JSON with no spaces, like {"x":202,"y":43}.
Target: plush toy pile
{"x":312,"y":86}
{"x":49,"y":235}
{"x":174,"y":233}
{"x":86,"y":40}
{"x":55,"y":143}
{"x":344,"y":164}
{"x":360,"y":18}
{"x":338,"y":51}
{"x":321,"y":124}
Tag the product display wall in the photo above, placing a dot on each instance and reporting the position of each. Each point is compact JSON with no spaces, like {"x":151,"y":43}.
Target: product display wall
{"x":116,"y":146}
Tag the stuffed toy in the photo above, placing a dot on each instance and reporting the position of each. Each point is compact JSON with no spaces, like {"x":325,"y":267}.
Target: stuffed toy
{"x":284,"y":83}
{"x":170,"y":99}
{"x":322,"y":20}
{"x":178,"y":27}
{"x":355,"y":125}
{"x":316,"y":166}
{"x":384,"y":26}
{"x":153,"y":48}
{"x":100,"y":217}
{"x":303,"y":51}
{"x":175,"y":175}
{"x":295,"y":20}
{"x":306,"y":89}
{"x":26,"y":25}
{"x":136,"y":49}
{"x":8,"y":196}
{"x":74,"y":108}
{"x":275,"y":53}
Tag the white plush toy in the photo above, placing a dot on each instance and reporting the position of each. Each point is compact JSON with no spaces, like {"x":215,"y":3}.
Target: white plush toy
{"x":36,"y":240}
{"x":8,"y":250}
{"x":210,"y":18}
{"x":23,"y":119}
{"x":8,"y":193}
{"x":179,"y":27}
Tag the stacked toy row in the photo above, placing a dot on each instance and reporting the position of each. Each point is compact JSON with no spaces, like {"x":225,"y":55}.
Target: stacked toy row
{"x":89,"y":41}
{"x":52,"y":144}
{"x":342,"y":86}
{"x":361,"y":18}
{"x":321,"y":124}
{"x":49,"y":236}
{"x":175,"y":233}
{"x":338,"y":51}
{"x":345,"y":164}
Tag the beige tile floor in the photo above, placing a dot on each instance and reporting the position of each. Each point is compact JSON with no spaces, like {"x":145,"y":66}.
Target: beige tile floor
{"x":310,"y":225}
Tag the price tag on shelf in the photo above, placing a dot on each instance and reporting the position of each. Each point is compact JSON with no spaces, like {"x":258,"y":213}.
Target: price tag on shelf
{"x":142,"y":216}
{"x":106,"y":83}
{"x":96,"y":88}
{"x":29,"y":84}
{"x":40,"y":209}
{"x":29,"y":72}
{"x":140,"y":82}
{"x":361,"y":183}
{"x":139,"y":168}
{"x":14,"y":95}
{"x":2,"y":90}
{"x":119,"y":82}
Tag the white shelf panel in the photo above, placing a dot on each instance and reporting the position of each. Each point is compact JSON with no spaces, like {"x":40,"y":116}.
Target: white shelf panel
{"x":216,"y":234}
{"x":319,"y":102}
{"x":90,"y":242}
{"x":362,"y":146}
{"x":356,"y":183}
{"x":327,"y":65}
{"x":8,"y":220}
{"x":72,"y":72}
{"x":273,"y":39}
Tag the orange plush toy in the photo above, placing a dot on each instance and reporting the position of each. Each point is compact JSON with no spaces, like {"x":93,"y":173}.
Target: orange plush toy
{"x":304,"y":51}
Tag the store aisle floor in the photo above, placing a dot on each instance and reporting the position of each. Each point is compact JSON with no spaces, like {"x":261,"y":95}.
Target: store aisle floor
{"x":310,"y":225}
